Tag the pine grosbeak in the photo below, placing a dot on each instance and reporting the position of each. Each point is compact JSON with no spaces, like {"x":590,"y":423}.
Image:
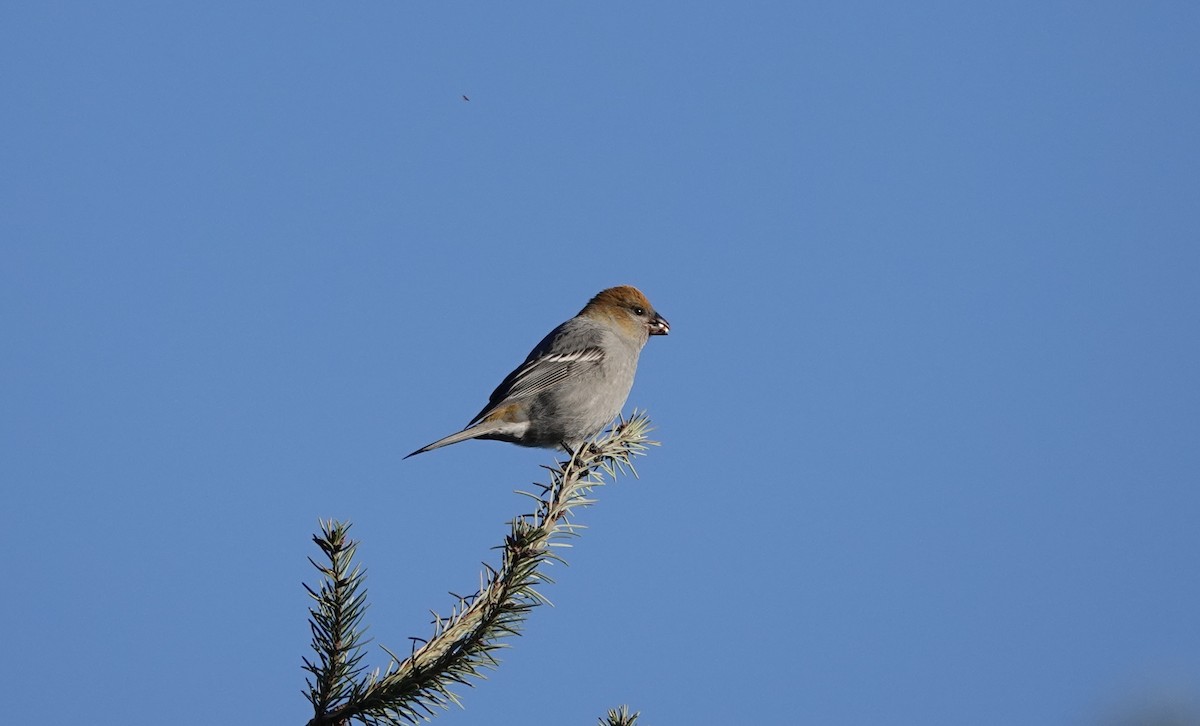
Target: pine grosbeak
{"x":574,"y":382}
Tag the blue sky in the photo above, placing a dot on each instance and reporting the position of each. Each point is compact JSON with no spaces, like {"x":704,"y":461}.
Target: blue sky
{"x":929,"y":408}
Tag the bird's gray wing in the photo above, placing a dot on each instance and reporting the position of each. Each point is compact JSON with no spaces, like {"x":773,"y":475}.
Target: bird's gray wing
{"x":539,"y":373}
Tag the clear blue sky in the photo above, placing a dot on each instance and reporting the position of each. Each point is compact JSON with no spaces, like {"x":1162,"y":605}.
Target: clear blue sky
{"x":930,"y":408}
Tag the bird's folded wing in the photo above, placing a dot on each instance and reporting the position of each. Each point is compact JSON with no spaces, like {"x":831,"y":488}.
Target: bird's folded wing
{"x":539,"y":374}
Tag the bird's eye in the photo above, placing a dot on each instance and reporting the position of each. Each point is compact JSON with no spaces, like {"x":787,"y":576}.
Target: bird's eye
{"x":639,"y":311}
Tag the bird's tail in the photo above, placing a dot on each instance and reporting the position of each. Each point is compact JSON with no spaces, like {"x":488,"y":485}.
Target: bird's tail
{"x":482,"y":428}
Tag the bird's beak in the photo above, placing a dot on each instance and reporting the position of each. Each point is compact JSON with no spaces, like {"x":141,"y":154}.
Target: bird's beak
{"x":659,"y":325}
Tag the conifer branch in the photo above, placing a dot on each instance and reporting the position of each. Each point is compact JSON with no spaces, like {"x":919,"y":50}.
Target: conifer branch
{"x":465,"y":641}
{"x":620,"y":717}
{"x":335,"y":620}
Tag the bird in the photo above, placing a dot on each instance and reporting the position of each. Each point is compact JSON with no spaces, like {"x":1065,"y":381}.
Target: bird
{"x":574,"y":382}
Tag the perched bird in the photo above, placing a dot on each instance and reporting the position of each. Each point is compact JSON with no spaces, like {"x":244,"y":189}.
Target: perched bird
{"x":574,"y":382}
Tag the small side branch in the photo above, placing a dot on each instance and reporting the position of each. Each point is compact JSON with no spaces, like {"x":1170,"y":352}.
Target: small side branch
{"x":620,"y":717}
